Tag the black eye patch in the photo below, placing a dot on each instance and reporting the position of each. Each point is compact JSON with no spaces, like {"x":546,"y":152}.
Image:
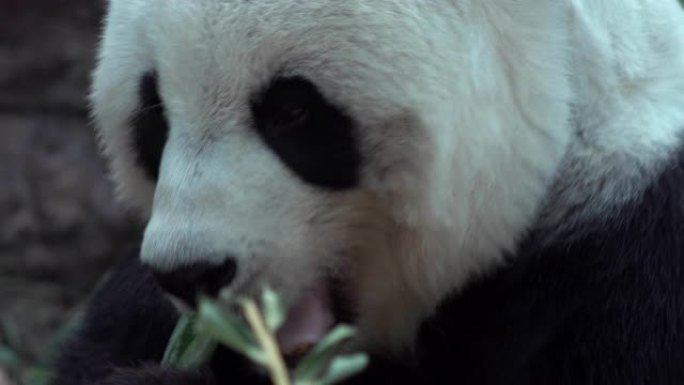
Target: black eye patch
{"x":312,"y":137}
{"x":150,"y":127}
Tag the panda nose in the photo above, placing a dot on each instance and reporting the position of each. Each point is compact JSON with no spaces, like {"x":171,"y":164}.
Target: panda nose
{"x":188,"y":282}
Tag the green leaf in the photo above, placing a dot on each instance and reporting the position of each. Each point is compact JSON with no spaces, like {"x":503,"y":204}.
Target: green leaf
{"x":337,"y":335}
{"x":273,"y":310}
{"x":180,"y":338}
{"x":314,"y":363}
{"x":343,"y":367}
{"x":188,"y":349}
{"x":227,"y":328}
{"x":197,"y":353}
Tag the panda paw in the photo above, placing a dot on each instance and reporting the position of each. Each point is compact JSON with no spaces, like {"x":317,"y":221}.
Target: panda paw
{"x":157,"y":375}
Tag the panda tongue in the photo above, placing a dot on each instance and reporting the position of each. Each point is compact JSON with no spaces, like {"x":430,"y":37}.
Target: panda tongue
{"x":307,"y":322}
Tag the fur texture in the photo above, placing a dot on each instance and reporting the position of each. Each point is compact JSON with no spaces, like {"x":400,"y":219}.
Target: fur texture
{"x":444,"y":146}
{"x":516,"y":159}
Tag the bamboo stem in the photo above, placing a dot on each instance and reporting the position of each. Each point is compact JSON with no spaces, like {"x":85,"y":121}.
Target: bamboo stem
{"x":276,"y":364}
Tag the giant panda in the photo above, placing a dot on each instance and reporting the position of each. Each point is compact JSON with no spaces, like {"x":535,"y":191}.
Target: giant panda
{"x":491,"y":191}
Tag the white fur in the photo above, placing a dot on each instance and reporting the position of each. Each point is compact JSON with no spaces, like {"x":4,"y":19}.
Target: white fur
{"x":629,"y":89}
{"x":473,"y":114}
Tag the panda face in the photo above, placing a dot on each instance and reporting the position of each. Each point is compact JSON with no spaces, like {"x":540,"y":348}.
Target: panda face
{"x":392,"y":146}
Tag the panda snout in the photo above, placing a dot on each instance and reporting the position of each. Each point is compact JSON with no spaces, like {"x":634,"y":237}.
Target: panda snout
{"x":188,"y":282}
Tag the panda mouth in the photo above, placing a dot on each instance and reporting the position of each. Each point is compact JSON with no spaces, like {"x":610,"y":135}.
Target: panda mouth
{"x":310,"y":318}
{"x":316,"y":311}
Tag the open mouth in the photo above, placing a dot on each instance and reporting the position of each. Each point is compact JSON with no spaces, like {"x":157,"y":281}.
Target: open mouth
{"x":314,"y":313}
{"x":311,"y":317}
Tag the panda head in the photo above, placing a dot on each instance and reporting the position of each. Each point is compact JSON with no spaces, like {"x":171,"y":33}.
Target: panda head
{"x":386,"y":151}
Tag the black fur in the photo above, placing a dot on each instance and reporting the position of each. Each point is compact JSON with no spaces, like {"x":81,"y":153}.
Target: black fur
{"x":127,"y":324}
{"x":605,"y":306}
{"x":157,"y":375}
{"x":150,"y":126}
{"x":315,"y":139}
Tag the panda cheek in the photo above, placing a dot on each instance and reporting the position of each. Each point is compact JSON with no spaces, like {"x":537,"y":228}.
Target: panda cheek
{"x":149,"y":127}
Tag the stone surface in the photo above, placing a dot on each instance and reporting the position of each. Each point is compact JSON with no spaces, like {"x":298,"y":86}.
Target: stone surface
{"x":59,"y":225}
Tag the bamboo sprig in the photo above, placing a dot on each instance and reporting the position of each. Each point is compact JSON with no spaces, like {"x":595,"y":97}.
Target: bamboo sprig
{"x":197,"y":335}
{"x":276,"y":364}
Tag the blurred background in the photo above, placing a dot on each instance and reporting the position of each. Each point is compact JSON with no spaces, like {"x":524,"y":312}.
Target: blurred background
{"x":60,"y":227}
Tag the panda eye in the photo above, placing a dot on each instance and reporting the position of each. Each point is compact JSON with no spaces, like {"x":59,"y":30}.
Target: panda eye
{"x":290,"y":117}
{"x":313,"y":137}
{"x":150,"y":126}
{"x":287,"y":106}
